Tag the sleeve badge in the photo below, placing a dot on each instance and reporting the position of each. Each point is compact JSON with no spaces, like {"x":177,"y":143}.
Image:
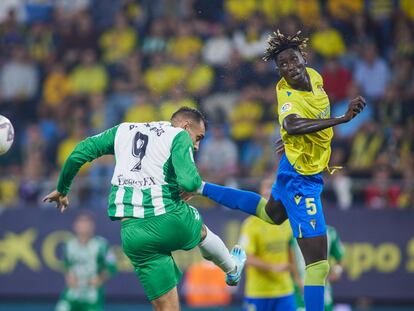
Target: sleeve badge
{"x":285,"y":107}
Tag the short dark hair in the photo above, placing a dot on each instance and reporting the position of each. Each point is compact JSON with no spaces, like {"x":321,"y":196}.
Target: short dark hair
{"x":190,"y":113}
{"x":279,"y":42}
{"x":85,"y":214}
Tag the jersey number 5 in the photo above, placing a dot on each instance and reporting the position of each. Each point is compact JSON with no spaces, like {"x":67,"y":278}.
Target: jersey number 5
{"x":311,"y":206}
{"x":139,"y":147}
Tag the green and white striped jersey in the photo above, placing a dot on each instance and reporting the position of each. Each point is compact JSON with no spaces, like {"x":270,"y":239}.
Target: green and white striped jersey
{"x":153,"y":161}
{"x":87,"y":261}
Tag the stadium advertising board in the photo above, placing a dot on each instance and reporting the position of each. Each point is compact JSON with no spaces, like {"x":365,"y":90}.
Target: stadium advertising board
{"x":379,"y":261}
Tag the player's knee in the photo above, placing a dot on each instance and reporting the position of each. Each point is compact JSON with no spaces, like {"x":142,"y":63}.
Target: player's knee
{"x":261,"y":211}
{"x":167,"y":302}
{"x":274,"y":211}
{"x":316,"y":273}
{"x":278,"y":220}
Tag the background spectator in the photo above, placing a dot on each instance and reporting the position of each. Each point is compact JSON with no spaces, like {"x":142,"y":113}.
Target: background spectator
{"x":73,"y":68}
{"x":218,"y":158}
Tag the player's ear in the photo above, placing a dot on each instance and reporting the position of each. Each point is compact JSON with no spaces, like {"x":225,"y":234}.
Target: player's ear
{"x":187,"y":124}
{"x":277,"y":68}
{"x":278,"y":71}
{"x":304,"y":59}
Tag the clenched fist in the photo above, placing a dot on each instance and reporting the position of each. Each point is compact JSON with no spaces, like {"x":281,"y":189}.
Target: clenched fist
{"x":355,"y":107}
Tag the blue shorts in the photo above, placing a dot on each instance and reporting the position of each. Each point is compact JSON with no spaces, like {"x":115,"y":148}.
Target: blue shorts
{"x":301,"y":196}
{"x":285,"y":303}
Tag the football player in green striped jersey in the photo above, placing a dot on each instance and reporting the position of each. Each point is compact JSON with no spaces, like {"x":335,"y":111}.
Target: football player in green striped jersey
{"x":154,"y":162}
{"x":87,"y":264}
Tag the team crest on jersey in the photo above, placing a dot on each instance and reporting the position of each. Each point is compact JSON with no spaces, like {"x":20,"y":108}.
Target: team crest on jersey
{"x":286,"y":107}
{"x":313,"y":223}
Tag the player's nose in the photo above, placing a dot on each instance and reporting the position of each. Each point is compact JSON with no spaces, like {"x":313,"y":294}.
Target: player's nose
{"x":291,"y":67}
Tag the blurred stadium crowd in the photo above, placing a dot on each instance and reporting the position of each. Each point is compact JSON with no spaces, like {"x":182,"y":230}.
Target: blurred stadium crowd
{"x":68,"y":69}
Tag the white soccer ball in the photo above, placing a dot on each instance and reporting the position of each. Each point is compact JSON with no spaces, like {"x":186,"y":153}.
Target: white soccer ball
{"x":6,"y":134}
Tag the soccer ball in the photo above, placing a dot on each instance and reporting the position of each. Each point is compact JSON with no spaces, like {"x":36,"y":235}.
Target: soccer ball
{"x":6,"y":134}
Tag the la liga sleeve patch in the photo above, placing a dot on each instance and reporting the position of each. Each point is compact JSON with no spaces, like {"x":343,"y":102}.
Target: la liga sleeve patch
{"x":285,"y":107}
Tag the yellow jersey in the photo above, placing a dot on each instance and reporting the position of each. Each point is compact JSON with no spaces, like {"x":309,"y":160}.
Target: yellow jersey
{"x":271,"y":244}
{"x":309,"y":153}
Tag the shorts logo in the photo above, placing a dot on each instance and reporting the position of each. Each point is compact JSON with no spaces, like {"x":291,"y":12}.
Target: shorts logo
{"x":313,"y":224}
{"x":286,"y":107}
{"x":297,"y":199}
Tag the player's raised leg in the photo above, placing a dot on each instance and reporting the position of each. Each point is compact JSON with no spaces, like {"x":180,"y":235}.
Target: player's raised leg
{"x":271,"y":211}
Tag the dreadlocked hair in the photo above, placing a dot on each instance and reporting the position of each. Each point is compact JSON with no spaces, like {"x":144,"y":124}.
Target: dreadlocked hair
{"x":277,"y":42}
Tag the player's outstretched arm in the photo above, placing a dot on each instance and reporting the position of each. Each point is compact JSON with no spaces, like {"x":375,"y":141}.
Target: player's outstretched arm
{"x":86,"y":151}
{"x":295,"y":125}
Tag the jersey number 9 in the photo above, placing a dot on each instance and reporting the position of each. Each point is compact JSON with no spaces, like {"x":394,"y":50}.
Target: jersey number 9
{"x":139,"y":147}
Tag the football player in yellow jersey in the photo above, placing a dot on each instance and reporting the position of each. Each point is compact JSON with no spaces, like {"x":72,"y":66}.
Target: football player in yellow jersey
{"x":270,"y":257}
{"x":304,"y":115}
